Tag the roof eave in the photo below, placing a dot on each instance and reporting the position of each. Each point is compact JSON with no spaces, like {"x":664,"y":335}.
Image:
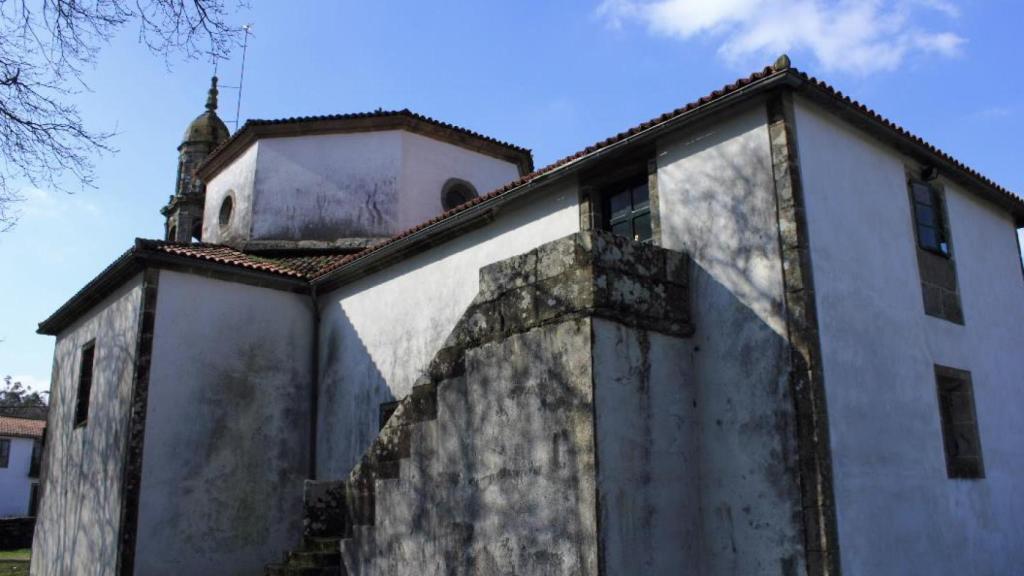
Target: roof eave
{"x":134,"y":261}
{"x":253,"y":131}
{"x":909,"y":144}
{"x":431,"y":235}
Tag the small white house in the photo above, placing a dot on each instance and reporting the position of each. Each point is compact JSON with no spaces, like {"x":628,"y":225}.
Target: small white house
{"x":19,"y":465}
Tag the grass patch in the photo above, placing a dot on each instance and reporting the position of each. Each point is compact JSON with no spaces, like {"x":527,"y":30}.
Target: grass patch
{"x":14,"y":562}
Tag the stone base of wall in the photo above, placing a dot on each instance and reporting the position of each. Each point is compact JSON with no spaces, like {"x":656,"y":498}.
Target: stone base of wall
{"x":16,"y":533}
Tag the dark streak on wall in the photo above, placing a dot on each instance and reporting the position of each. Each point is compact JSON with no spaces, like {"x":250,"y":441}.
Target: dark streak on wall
{"x":131,"y":483}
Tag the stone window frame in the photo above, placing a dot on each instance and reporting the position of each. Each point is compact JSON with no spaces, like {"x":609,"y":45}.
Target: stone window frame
{"x":940,"y":284}
{"x":86,"y":377}
{"x":958,"y":415}
{"x":1017,"y":231}
{"x":452,"y":184}
{"x":5,"y":452}
{"x":938,"y":199}
{"x":595,"y":185}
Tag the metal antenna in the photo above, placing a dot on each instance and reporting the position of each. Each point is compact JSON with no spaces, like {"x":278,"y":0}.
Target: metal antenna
{"x":241,"y":75}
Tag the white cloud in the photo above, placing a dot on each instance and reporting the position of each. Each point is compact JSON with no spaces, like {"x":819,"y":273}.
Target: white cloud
{"x":33,"y":383}
{"x":858,"y":36}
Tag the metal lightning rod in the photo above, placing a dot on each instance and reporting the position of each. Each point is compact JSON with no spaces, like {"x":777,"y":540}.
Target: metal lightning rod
{"x":241,"y":74}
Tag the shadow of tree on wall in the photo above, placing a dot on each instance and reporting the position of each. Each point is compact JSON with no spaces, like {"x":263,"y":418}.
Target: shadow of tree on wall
{"x":80,"y":505}
{"x":719,"y":207}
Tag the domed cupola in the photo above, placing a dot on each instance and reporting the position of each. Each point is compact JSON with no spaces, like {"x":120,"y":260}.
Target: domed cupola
{"x":184,"y":211}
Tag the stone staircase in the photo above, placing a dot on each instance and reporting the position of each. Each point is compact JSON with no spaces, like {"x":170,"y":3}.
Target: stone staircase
{"x":487,"y":466}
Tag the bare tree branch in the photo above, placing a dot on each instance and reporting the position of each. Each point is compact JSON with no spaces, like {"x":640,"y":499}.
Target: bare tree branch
{"x":44,"y":45}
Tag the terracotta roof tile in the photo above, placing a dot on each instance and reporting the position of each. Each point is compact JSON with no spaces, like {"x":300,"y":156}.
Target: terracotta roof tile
{"x":766,"y":72}
{"x":21,"y":427}
{"x":254,"y":124}
{"x":298,"y":266}
{"x":314,"y":267}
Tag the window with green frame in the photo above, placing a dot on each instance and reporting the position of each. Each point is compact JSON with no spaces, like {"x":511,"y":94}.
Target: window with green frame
{"x":627,"y":209}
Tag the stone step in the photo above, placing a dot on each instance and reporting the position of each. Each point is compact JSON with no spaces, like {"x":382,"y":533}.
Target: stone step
{"x":314,"y":544}
{"x":287,"y":570}
{"x":314,"y":559}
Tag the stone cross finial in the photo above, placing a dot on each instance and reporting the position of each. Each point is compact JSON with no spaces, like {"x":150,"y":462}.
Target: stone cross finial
{"x":211,"y":98}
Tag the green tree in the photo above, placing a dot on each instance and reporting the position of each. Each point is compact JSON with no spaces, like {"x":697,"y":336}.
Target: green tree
{"x":16,"y":399}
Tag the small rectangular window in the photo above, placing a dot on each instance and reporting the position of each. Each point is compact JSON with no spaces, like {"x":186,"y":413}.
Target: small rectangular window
{"x":959,"y":418}
{"x":84,"y":383}
{"x":33,"y":501}
{"x":929,"y":218}
{"x":627,"y":209}
{"x":5,"y":452}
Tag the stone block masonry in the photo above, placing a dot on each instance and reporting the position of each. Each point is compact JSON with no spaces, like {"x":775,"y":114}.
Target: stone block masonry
{"x":490,"y":466}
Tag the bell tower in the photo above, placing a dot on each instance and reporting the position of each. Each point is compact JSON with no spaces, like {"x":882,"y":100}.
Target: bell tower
{"x":184,"y":210}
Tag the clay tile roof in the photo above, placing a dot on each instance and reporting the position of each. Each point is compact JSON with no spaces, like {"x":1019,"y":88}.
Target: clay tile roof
{"x":21,"y":427}
{"x":298,"y":266}
{"x":386,"y":119}
{"x":712,"y":97}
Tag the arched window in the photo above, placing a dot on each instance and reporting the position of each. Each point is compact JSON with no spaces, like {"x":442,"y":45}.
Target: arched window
{"x":227,"y":207}
{"x":456,"y":192}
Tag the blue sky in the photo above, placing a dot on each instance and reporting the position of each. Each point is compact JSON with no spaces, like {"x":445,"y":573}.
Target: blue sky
{"x":551,"y":76}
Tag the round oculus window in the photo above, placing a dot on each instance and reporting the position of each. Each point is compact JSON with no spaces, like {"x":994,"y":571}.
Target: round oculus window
{"x":456,"y":192}
{"x":227,"y":207}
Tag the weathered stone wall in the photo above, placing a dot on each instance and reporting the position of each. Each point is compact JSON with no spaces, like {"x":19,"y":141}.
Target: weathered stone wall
{"x":490,"y":466}
{"x":379,"y":333}
{"x":227,"y":430}
{"x":515,"y":495}
{"x":80,"y":508}
{"x":648,"y":450}
{"x":717,"y":200}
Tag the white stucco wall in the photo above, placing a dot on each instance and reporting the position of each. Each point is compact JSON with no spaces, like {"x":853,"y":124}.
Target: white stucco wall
{"x":898,"y":513}
{"x":647,"y":452}
{"x":227,"y":428}
{"x":15,"y":485}
{"x":237,"y":179}
{"x":79,"y":516}
{"x":326,"y":187}
{"x":378,"y":333}
{"x":427,"y":164}
{"x":333,"y":186}
{"x":716,"y":196}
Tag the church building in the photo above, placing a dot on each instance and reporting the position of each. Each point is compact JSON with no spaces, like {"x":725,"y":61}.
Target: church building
{"x":768,"y":332}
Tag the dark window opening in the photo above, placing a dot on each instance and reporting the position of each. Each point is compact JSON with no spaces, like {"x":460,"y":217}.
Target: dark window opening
{"x":33,"y":501}
{"x":959,"y":423}
{"x":5,"y":452}
{"x":197,"y":231}
{"x":37,"y":456}
{"x":929,"y":218}
{"x":386,"y":410}
{"x":227,"y":207}
{"x":456,"y":192}
{"x":84,"y":384}
{"x":626,"y":209}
